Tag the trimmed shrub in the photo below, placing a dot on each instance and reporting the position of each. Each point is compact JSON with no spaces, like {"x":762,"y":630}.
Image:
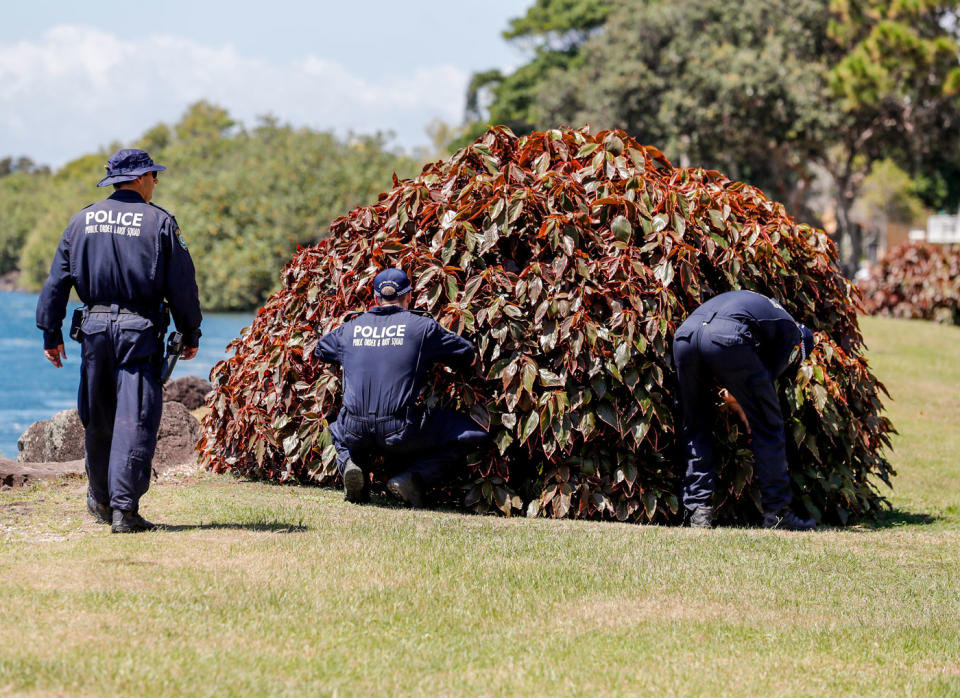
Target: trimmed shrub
{"x":569,"y":259}
{"x":915,"y":280}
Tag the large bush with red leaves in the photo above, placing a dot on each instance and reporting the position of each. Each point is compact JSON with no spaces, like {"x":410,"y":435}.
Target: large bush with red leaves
{"x":916,"y":280}
{"x":569,"y":259}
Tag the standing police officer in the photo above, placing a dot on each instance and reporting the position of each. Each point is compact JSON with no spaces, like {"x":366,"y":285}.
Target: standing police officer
{"x":745,"y":341}
{"x":385,"y":354}
{"x":124,"y":256}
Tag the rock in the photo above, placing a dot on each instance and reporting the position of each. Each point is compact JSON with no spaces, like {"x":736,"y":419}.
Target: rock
{"x":55,"y":440}
{"x":56,"y":446}
{"x":191,"y":391}
{"x":10,"y":281}
{"x":16,"y":474}
{"x":179,"y":433}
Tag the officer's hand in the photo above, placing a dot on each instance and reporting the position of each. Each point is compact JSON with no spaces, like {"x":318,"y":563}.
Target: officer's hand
{"x":188,"y":353}
{"x":731,"y":402}
{"x":54,"y":355}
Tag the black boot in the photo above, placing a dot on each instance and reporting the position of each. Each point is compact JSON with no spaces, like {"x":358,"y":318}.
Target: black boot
{"x":702,"y":517}
{"x":408,"y":487}
{"x":129,"y":522}
{"x":101,"y":513}
{"x":787,"y":521}
{"x":354,"y":483}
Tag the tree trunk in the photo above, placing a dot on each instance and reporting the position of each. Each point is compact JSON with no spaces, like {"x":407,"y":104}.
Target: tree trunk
{"x":849,"y":236}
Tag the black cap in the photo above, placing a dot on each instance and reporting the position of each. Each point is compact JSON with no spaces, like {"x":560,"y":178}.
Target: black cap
{"x":391,"y":283}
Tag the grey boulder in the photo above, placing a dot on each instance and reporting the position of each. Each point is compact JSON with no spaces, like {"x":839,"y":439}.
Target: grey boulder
{"x":55,"y":446}
{"x":54,"y":440}
{"x":189,"y":391}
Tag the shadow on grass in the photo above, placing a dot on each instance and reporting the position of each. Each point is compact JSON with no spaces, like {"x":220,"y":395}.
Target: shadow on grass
{"x":269,"y":526}
{"x":894,"y":518}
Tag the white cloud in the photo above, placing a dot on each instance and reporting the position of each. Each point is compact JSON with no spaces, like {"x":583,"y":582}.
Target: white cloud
{"x":79,"y":87}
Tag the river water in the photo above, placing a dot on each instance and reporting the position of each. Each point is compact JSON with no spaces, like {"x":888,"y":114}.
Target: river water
{"x":31,"y":388}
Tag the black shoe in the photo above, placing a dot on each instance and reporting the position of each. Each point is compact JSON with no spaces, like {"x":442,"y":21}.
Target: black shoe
{"x":702,"y":517}
{"x":354,"y":483}
{"x":787,"y":521}
{"x":129,"y":522}
{"x":101,"y":513}
{"x":408,"y":487}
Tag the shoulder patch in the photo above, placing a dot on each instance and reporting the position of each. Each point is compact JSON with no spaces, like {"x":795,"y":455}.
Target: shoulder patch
{"x":183,"y":243}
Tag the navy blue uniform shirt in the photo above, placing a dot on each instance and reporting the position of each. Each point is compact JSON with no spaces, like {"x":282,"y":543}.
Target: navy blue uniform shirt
{"x":121,"y":250}
{"x":772,"y":330}
{"x":385,"y":354}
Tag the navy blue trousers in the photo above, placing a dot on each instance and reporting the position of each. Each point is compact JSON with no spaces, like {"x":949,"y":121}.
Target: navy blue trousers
{"x":430,"y":444}
{"x":120,"y":402}
{"x":723,"y":350}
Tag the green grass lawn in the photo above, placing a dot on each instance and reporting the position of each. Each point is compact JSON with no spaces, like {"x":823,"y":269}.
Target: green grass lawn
{"x":258,"y":589}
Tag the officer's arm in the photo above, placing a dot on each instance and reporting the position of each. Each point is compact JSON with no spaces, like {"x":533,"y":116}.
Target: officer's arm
{"x":52,"y":305}
{"x":450,"y":348}
{"x":785,"y":338}
{"x":328,"y":348}
{"x":181,"y":287}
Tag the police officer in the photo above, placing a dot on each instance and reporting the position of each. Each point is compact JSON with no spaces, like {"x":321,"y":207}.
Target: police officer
{"x":744,"y":341}
{"x":385,"y":354}
{"x":124,"y":256}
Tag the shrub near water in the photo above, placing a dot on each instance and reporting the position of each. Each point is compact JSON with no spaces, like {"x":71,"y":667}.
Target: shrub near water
{"x":918,"y":281}
{"x":569,"y":259}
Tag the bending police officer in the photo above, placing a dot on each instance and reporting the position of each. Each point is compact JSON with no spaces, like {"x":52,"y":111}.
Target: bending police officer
{"x":386,"y":354}
{"x":745,"y":341}
{"x":124,"y":256}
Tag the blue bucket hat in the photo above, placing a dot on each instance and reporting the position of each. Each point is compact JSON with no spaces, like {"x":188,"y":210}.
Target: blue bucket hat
{"x":806,"y":342}
{"x":128,"y":164}
{"x":391,"y":283}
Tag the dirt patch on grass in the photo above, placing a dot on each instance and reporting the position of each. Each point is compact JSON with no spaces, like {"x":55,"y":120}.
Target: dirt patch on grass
{"x":18,"y":508}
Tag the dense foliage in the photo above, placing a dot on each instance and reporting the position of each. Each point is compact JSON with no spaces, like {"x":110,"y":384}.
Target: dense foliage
{"x":916,"y":280}
{"x":569,"y":259}
{"x":245,"y":198}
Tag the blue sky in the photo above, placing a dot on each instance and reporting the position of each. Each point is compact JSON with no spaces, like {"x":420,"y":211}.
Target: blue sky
{"x":76,"y":76}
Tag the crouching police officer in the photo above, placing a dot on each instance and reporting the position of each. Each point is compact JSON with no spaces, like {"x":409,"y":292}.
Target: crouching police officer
{"x":745,"y":341}
{"x":385,"y":354}
{"x":124,"y":256}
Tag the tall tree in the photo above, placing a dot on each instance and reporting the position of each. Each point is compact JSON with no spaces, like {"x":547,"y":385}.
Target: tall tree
{"x":245,"y":198}
{"x":775,"y":92}
{"x":895,"y":88}
{"x":554,"y":31}
{"x":735,"y":87}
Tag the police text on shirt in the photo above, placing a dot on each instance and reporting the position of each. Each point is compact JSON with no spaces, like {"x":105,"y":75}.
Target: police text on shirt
{"x":389,"y":336}
{"x":115,"y":222}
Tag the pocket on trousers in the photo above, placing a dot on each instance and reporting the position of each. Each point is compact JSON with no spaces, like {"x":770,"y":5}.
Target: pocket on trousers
{"x":137,"y":340}
{"x":398,"y":436}
{"x":95,"y":323}
{"x":139,"y":466}
{"x":684,"y":333}
{"x":729,"y":340}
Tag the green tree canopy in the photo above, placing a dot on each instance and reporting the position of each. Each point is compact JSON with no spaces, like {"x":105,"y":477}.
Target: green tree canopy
{"x":771,"y":91}
{"x":244,"y":198}
{"x":554,"y":30}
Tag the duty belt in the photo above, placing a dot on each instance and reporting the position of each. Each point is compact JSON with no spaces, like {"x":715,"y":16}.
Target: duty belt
{"x":404,"y":414}
{"x":122,"y":309}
